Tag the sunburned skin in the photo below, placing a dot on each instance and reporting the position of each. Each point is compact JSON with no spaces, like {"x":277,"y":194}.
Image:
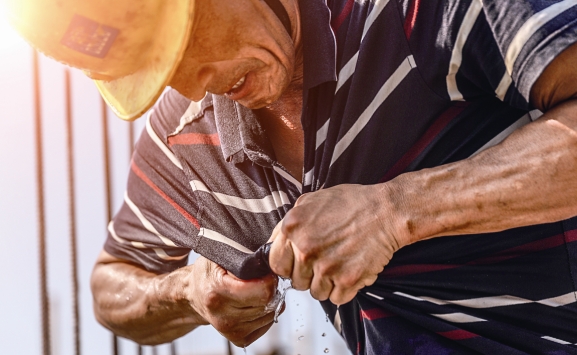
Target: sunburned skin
{"x":259,"y":62}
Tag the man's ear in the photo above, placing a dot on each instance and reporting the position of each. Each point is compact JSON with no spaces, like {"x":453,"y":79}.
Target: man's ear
{"x":558,"y":82}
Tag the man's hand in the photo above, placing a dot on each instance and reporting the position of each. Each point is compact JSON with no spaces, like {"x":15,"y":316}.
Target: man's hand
{"x":234,"y":307}
{"x":155,"y":309}
{"x":335,"y":242}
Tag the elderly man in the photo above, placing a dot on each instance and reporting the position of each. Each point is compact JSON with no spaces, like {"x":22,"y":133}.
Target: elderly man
{"x":399,"y":148}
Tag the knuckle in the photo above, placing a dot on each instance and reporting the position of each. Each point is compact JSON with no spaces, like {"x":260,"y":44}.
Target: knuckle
{"x":319,"y":295}
{"x":349,"y":280}
{"x":213,"y":300}
{"x":290,"y":222}
{"x":222,"y":326}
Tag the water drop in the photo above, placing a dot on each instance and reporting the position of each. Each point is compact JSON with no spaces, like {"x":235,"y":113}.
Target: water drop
{"x":284,"y":285}
{"x":244,"y":349}
{"x":326,"y":350}
{"x":327,"y":317}
{"x":302,"y":325}
{"x":301,"y":337}
{"x":324,"y":335}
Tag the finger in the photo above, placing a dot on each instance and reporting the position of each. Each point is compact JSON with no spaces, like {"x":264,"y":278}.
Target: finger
{"x":238,"y":334}
{"x":281,"y":257}
{"x":257,"y":334}
{"x":302,"y":273}
{"x":249,"y":293}
{"x":321,"y":288}
{"x":340,"y":295}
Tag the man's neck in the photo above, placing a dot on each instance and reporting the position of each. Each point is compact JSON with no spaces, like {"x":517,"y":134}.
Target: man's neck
{"x":282,"y":118}
{"x":282,"y":122}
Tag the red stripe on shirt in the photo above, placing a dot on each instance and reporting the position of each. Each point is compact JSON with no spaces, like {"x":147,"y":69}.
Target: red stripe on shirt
{"x":538,"y":245}
{"x":571,"y":236}
{"x":375,"y":313}
{"x":453,"y":111}
{"x":458,"y":334}
{"x":521,"y":250}
{"x":194,"y":138}
{"x":152,"y":185}
{"x":411,"y":17}
{"x":338,"y":21}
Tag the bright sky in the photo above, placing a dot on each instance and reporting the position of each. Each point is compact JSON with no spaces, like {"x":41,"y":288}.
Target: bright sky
{"x":8,"y":37}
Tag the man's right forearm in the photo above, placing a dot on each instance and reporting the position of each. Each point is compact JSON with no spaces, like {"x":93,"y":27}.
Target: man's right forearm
{"x":140,"y":305}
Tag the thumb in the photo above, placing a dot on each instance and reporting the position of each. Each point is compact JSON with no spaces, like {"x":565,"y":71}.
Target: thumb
{"x":281,"y":257}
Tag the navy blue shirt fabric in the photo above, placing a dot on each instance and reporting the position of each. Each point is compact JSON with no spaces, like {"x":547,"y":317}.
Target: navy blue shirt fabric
{"x":390,"y":86}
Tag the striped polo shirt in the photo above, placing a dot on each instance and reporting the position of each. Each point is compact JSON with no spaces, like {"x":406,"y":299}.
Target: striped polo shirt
{"x":390,"y":86}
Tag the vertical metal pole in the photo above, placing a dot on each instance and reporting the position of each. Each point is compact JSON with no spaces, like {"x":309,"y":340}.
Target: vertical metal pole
{"x":228,"y":347}
{"x":45,"y":305}
{"x":107,"y":185}
{"x":130,"y":139}
{"x":72,"y":212}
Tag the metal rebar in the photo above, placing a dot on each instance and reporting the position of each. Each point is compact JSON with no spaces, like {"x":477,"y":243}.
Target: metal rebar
{"x":107,"y":185}
{"x":130,"y":139}
{"x":44,"y":300}
{"x":228,"y":347}
{"x":72,"y":213}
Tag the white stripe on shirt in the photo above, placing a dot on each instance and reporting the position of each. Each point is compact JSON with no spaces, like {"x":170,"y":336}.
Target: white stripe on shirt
{"x":145,"y":222}
{"x":266,"y":204}
{"x":459,"y":318}
{"x":216,"y":236}
{"x":532,"y":25}
{"x":388,"y":87}
{"x":160,"y":143}
{"x":288,"y":177}
{"x":457,"y":55}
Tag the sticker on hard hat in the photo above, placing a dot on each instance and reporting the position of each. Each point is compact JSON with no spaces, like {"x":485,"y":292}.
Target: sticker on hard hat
{"x":89,"y":37}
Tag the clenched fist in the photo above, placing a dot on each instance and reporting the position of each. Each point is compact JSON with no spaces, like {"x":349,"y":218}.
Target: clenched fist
{"x":334,"y":242}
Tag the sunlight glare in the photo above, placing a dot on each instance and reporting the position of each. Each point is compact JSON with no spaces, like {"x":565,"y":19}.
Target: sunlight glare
{"x":9,"y":38}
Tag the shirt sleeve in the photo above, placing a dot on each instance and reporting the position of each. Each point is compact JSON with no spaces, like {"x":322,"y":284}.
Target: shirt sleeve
{"x":471,"y":48}
{"x":156,"y":226}
{"x":530,"y":35}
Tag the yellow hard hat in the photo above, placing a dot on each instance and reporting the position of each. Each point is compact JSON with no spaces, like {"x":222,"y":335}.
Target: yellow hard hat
{"x":131,"y":48}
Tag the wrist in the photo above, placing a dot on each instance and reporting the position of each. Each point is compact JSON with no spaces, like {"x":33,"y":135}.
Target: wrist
{"x":403,"y":203}
{"x":178,"y":290}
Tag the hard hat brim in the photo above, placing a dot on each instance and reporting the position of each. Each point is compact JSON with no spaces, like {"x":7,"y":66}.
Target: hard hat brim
{"x":132,"y":95}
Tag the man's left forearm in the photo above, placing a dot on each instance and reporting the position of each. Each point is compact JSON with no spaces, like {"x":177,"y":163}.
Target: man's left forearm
{"x":529,"y":178}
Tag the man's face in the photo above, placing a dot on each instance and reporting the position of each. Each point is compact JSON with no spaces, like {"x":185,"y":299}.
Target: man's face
{"x":237,"y":48}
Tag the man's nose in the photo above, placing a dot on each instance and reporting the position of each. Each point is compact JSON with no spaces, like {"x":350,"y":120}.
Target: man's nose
{"x":201,"y":80}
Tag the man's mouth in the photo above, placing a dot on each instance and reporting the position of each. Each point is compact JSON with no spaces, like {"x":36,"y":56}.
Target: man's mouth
{"x":240,"y":89}
{"x":238,"y":83}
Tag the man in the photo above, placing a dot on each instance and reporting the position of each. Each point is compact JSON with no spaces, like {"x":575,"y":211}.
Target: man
{"x":405,"y":136}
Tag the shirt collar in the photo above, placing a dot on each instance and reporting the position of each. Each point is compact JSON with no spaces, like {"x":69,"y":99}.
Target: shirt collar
{"x":240,"y":132}
{"x":319,"y":44}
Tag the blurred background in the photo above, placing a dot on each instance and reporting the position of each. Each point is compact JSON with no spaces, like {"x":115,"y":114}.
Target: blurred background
{"x":64,"y":197}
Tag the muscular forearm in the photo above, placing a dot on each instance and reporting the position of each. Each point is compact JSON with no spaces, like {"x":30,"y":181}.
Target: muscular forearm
{"x":142,"y":306}
{"x":529,"y":178}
